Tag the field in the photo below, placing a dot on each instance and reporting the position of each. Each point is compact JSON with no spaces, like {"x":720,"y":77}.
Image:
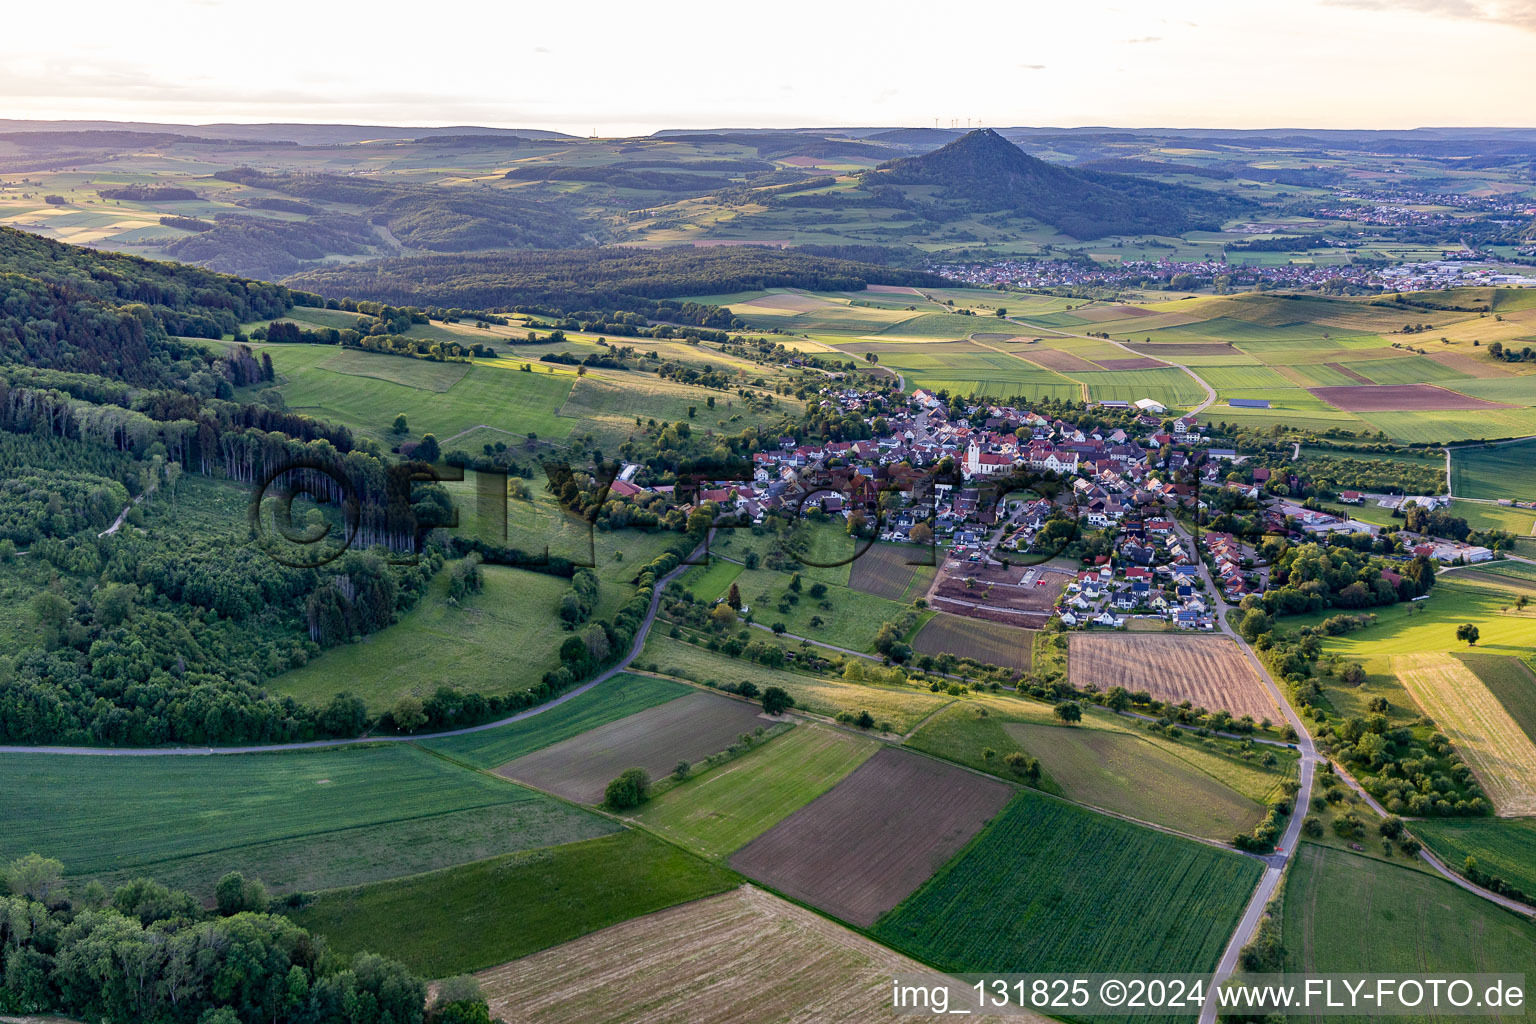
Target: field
{"x":104,"y":814}
{"x":617,"y":698}
{"x":902,"y":706}
{"x":1348,"y":913}
{"x":847,"y":618}
{"x":1396,"y":397}
{"x":719,"y":811}
{"x":1132,"y":776}
{"x":1495,"y":471}
{"x":1493,"y":744}
{"x":372,"y":853}
{"x":744,"y":955}
{"x":365,"y":394}
{"x":471,"y":917}
{"x":886,"y":570}
{"x":1052,"y":887}
{"x":1511,"y":682}
{"x":498,"y":641}
{"x":687,"y":729}
{"x":1209,"y":671}
{"x":859,"y":849}
{"x":1503,"y":848}
{"x":991,"y":642}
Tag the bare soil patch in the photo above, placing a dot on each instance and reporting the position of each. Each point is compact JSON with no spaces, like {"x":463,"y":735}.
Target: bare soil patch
{"x":1208,"y":671}
{"x":687,"y":729}
{"x":1142,"y":363}
{"x":864,"y":846}
{"x":1400,"y":398}
{"x":1018,"y":596}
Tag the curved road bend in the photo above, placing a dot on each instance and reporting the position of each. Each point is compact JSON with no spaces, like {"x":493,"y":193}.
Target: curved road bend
{"x":634,"y":652}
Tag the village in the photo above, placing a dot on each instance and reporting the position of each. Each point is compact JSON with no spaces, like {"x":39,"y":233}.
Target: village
{"x":1031,"y":517}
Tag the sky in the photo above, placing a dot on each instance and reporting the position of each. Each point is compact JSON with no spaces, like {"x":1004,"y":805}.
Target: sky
{"x":627,"y":68}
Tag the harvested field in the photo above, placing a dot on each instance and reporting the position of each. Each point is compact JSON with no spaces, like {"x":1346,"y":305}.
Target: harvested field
{"x":1399,"y":398}
{"x":1209,"y":671}
{"x":1139,"y":363}
{"x":888,"y":289}
{"x":863,"y":847}
{"x":1470,"y":364}
{"x":1056,"y":359}
{"x":886,"y":570}
{"x":687,"y":729}
{"x":1495,"y":747}
{"x":1015,"y":596}
{"x":990,"y":642}
{"x":742,"y":955}
{"x":1351,"y":374}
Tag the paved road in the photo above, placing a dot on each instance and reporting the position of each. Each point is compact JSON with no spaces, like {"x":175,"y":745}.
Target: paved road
{"x":634,"y":652}
{"x":1275,"y":863}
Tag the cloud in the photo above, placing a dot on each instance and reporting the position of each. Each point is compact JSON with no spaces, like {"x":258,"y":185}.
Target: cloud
{"x":1032,"y":67}
{"x":1517,"y":13}
{"x":1145,"y":39}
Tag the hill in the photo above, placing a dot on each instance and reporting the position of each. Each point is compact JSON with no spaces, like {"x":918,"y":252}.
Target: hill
{"x":983,"y":172}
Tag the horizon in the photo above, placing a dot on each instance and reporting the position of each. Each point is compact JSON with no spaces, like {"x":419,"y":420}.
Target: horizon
{"x":1327,"y":63}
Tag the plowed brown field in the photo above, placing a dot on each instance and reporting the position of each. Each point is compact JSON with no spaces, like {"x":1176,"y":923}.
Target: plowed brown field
{"x":1209,"y":671}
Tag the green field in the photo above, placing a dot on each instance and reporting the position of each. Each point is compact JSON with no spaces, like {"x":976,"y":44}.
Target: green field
{"x":1423,"y":627}
{"x":1149,"y":781}
{"x":1202,"y":787}
{"x":1511,"y":681}
{"x":372,"y":853}
{"x":470,"y":917}
{"x":499,"y":641}
{"x":1349,"y":913}
{"x":616,"y":698}
{"x":1172,"y":387}
{"x":708,"y":582}
{"x":721,"y":810}
{"x":1052,"y":887}
{"x":1504,"y":848}
{"x":365,"y":395}
{"x":101,"y":814}
{"x":848,"y":618}
{"x":902,"y":706}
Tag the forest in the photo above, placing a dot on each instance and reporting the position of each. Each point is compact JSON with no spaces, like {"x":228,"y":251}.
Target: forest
{"x":595,"y":279}
{"x":148,"y":953}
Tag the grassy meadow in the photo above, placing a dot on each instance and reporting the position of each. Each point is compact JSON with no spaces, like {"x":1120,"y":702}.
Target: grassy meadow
{"x":470,"y":917}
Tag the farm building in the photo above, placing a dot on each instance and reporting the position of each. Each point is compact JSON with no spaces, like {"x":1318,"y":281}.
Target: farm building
{"x":1150,"y":405}
{"x":1248,"y":403}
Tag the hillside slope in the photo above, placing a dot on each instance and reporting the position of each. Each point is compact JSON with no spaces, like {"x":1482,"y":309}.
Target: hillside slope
{"x":984,"y":172}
